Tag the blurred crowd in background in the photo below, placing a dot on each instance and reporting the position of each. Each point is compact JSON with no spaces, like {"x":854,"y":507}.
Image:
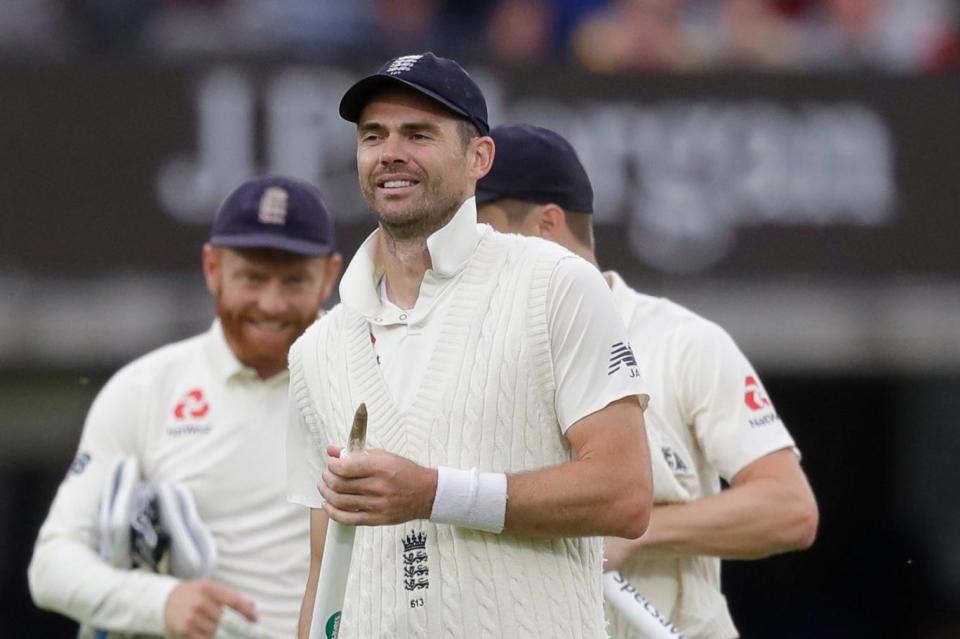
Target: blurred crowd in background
{"x":896,"y":36}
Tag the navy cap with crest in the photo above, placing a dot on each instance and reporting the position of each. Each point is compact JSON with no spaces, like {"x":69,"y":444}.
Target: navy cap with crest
{"x":440,"y":79}
{"x":534,"y":164}
{"x":275,"y":212}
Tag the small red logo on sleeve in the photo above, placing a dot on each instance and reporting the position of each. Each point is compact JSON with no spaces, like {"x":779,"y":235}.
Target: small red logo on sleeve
{"x":754,"y":396}
{"x":192,"y":405}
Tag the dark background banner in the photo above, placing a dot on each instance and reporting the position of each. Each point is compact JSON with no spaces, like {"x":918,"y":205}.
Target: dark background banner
{"x":120,"y":166}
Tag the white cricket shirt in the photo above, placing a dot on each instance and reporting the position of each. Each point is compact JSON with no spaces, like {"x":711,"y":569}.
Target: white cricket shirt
{"x":711,"y":417}
{"x":587,"y":336}
{"x":515,"y":325}
{"x":404,"y":338}
{"x":189,"y":412}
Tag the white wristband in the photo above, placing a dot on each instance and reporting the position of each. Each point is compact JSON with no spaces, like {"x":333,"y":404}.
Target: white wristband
{"x":470,"y":499}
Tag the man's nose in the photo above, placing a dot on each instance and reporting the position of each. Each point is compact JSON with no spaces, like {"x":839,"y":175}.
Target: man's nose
{"x":392,"y":150}
{"x":271,"y":299}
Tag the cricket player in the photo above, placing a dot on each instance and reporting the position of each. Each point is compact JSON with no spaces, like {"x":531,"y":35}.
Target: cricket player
{"x":709,"y":416}
{"x":210,"y":413}
{"x":505,"y":428}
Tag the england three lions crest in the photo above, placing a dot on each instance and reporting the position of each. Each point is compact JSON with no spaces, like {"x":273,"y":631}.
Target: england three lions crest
{"x":416,"y":570}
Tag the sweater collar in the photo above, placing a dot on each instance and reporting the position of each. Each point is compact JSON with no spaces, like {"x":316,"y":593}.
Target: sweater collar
{"x":450,"y":248}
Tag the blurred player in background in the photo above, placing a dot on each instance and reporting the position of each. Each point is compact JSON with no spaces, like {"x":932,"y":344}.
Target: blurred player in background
{"x":210,"y":413}
{"x":491,"y":367}
{"x":709,"y":416}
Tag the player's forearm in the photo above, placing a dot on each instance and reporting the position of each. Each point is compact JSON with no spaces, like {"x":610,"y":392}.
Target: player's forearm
{"x":758,"y":519}
{"x":67,"y":577}
{"x":581,"y":498}
{"x":606,"y":490}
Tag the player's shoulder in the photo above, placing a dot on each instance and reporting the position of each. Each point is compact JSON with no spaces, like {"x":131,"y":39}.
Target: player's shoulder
{"x":148,"y":373}
{"x":557,"y":265}
{"x":528,"y":246}
{"x":332,"y":319}
{"x":666,"y":318}
{"x":566,"y":268}
{"x":183,"y":353}
{"x":690,"y":325}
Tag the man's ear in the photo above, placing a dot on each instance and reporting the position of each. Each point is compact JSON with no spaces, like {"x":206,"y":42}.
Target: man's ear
{"x":482,"y":150}
{"x":552,"y":223}
{"x":212,"y":271}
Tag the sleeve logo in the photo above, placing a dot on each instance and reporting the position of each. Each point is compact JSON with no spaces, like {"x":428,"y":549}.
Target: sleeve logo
{"x":754,"y":396}
{"x":622,"y":355}
{"x":674,"y":461}
{"x":757,"y":400}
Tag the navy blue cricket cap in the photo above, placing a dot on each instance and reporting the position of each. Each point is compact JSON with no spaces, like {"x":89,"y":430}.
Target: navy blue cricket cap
{"x":275,"y":212}
{"x":534,"y":164}
{"x":440,"y":79}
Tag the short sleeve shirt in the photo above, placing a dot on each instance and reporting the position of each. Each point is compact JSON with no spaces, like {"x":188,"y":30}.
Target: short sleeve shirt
{"x":707,"y":400}
{"x":189,"y":412}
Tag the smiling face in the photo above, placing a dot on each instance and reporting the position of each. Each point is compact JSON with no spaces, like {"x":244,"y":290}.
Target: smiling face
{"x":414,"y":165}
{"x":266,"y":299}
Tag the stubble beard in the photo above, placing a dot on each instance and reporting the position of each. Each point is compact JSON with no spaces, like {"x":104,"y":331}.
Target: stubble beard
{"x":421,"y":219}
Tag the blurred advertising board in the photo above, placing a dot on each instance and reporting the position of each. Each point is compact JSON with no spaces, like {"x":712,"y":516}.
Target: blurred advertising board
{"x":120,"y":167}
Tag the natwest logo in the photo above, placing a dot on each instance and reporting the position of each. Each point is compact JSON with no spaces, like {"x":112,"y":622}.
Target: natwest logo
{"x":192,"y":406}
{"x":754,"y":396}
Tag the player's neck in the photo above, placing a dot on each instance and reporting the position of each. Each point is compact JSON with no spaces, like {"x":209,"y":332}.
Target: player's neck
{"x":404,"y":264}
{"x":577,"y":248}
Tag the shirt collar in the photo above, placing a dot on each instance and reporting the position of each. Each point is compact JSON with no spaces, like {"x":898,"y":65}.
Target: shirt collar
{"x":450,"y":247}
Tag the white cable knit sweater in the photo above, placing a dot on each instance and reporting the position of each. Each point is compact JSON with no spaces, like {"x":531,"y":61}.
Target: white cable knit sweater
{"x":487,"y":401}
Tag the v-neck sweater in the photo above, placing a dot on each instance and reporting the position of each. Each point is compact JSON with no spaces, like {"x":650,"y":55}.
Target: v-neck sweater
{"x":486,"y":401}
